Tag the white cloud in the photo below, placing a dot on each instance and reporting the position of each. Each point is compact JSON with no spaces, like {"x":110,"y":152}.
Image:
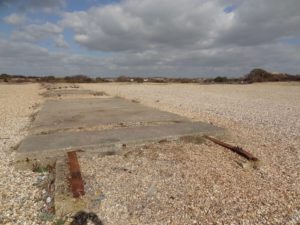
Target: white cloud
{"x":37,"y":32}
{"x":163,"y":37}
{"x":27,"y":58}
{"x":48,"y":6}
{"x":14,"y":19}
{"x":257,"y":22}
{"x":60,"y":42}
{"x":136,"y":25}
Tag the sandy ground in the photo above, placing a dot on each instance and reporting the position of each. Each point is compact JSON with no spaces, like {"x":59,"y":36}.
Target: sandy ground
{"x":179,"y":183}
{"x":174,"y":183}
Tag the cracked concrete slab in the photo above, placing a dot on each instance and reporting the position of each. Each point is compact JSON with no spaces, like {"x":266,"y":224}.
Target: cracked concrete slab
{"x":71,"y":124}
{"x":101,"y":126}
{"x":90,"y":139}
{"x":70,"y":92}
{"x":83,"y":113}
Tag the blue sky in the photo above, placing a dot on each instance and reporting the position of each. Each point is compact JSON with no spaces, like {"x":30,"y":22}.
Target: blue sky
{"x":77,"y":5}
{"x":230,"y":8}
{"x":189,"y":38}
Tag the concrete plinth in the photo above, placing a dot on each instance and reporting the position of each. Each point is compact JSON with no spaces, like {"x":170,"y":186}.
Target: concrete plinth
{"x":75,"y":124}
{"x":65,"y":114}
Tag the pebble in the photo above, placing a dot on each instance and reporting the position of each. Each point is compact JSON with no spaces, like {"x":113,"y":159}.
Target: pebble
{"x":262,"y":118}
{"x":48,"y":200}
{"x":18,"y":196}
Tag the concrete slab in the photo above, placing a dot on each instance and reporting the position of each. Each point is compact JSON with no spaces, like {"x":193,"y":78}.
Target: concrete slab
{"x":64,"y":141}
{"x":66,"y":92}
{"x":65,"y":124}
{"x":81,"y":113}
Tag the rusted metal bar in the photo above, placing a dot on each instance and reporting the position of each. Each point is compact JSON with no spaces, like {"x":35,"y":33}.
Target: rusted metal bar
{"x":235,"y":149}
{"x":76,"y":182}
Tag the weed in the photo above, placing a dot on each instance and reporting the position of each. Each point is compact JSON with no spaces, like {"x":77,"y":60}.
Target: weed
{"x":37,"y":168}
{"x":45,"y":216}
{"x":60,"y":221}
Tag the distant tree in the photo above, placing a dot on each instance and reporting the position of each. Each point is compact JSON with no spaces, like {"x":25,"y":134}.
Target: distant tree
{"x":101,"y":80}
{"x":48,"y":79}
{"x":260,"y":75}
{"x":139,"y":79}
{"x":4,"y":75}
{"x":78,"y":79}
{"x":221,"y":79}
{"x":123,"y":79}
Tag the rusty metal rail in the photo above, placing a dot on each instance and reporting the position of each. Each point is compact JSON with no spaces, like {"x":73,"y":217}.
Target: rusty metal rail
{"x":76,"y":182}
{"x":235,"y":149}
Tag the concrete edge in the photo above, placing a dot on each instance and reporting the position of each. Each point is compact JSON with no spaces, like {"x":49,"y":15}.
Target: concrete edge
{"x":25,"y":160}
{"x":63,"y":200}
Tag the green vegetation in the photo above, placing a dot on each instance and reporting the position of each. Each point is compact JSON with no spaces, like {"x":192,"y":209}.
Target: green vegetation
{"x":256,"y":75}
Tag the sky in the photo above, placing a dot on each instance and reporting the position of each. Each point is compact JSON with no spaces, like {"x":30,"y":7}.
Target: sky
{"x":173,"y":38}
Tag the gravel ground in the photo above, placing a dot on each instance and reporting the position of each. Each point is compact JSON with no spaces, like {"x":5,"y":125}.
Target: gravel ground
{"x":173,"y":182}
{"x":21,"y":195}
{"x":185,"y":183}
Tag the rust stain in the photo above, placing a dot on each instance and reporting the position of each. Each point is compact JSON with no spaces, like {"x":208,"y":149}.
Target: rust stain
{"x":76,"y":181}
{"x":235,"y":149}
